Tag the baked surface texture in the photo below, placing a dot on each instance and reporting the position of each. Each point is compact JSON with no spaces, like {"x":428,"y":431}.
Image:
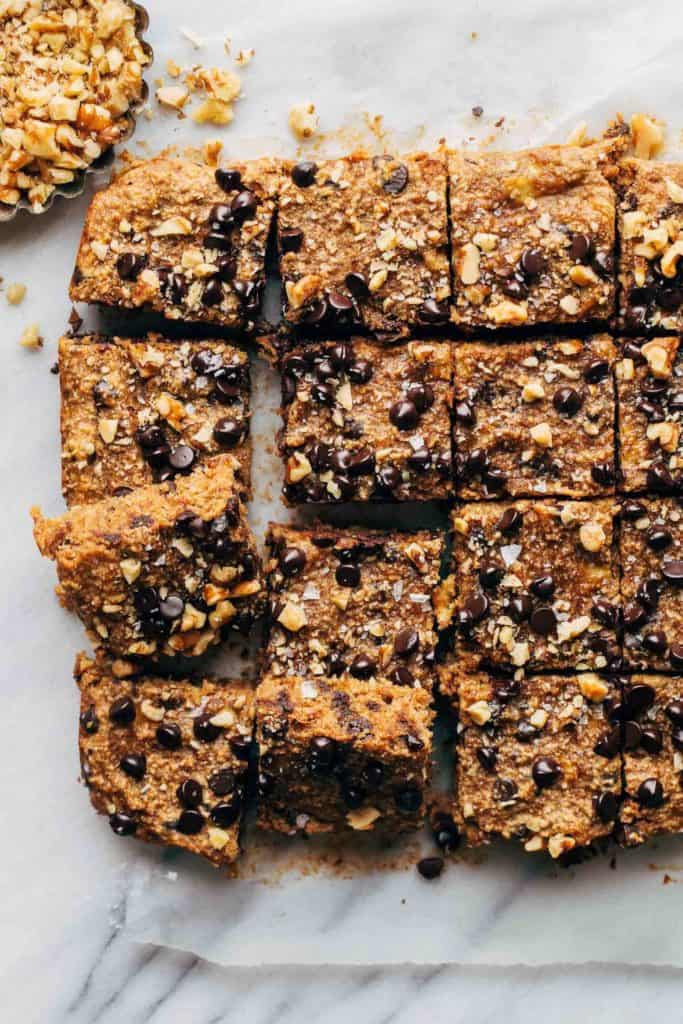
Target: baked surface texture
{"x":365,"y":241}
{"x":534,"y":418}
{"x":166,"y":759}
{"x":341,"y":756}
{"x":162,"y":570}
{"x":139,"y":412}
{"x":177,"y":238}
{"x":363,"y":421}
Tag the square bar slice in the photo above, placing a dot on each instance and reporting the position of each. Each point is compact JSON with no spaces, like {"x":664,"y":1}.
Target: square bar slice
{"x":535,"y":418}
{"x":176,"y":238}
{"x":165,"y":759}
{"x":537,"y":762}
{"x":653,"y":758}
{"x":650,"y":226}
{"x":353,"y":602}
{"x":537,"y":584}
{"x":651,"y":558}
{"x":365,"y":241}
{"x":650,"y":396}
{"x":341,"y":756}
{"x":363,"y":421}
{"x":162,"y":570}
{"x":532,"y":236}
{"x":138,"y":412}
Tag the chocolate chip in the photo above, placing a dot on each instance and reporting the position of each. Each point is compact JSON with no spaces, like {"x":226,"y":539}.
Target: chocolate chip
{"x":348,"y":575}
{"x":504,"y":790}
{"x":650,"y":793}
{"x":134,"y":765}
{"x":373,"y":774}
{"x":526,"y":732}
{"x":607,"y":807}
{"x":632,"y":510}
{"x":122,"y":824}
{"x":90,"y":723}
{"x":122,"y":711}
{"x":222,"y":242}
{"x":363,"y":667}
{"x":545,"y":772}
{"x":397,"y":180}
{"x":172,"y":607}
{"x":213,"y":292}
{"x":362,"y":463}
{"x":464,"y":413}
{"x":389,"y":479}
{"x":227,"y":432}
{"x":249,"y":294}
{"x":323,"y":394}
{"x":420,"y":460}
{"x":189,"y":792}
{"x":490,"y":576}
{"x":632,"y":735}
{"x":659,"y":478}
{"x":609,"y":744}
{"x":402,"y":676}
{"x":567,"y":401}
{"x":228,"y":179}
{"x":519,"y":607}
{"x":291,"y":239}
{"x":130,"y":265}
{"x":430,"y":867}
{"x":676,"y":655}
{"x":543,"y":586}
{"x":658,"y":539}
{"x":357,"y":285}
{"x":433,"y":312}
{"x":243,"y":206}
{"x":322,"y":754}
{"x":406,"y":643}
{"x":413,"y":743}
{"x":596,"y":371}
{"x":510,"y":521}
{"x":404,"y":415}
{"x":651,"y":739}
{"x":487,"y":757}
{"x":292,"y":561}
{"x":222,"y":782}
{"x":303,"y":174}
{"x":532,"y":262}
{"x":226,"y":812}
{"x":603,"y":473}
{"x":640,"y":697}
{"x":603,"y":264}
{"x":654,"y":640}
{"x":581,"y":248}
{"x":445,"y":832}
{"x":205,"y":730}
{"x":674,"y":710}
{"x":181,"y":458}
{"x":672,"y":571}
{"x":634,"y":617}
{"x":169,"y":736}
{"x":421,"y":395}
{"x":408,"y":798}
{"x":360,"y":371}
{"x":340,"y":306}
{"x":515,"y":288}
{"x":543,"y":620}
{"x":677,"y":737}
{"x":221,"y":218}
{"x":190,"y":822}
{"x":477,"y":606}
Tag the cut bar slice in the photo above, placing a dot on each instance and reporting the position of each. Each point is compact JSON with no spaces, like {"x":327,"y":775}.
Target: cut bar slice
{"x":535,"y":418}
{"x":138,"y":412}
{"x":341,"y":755}
{"x":165,"y":759}
{"x":171,"y":236}
{"x":363,"y":421}
{"x":532,"y":235}
{"x":365,"y":241}
{"x":537,"y":584}
{"x":651,"y":556}
{"x":353,"y":603}
{"x":539,"y":761}
{"x":650,"y":391}
{"x":162,"y":570}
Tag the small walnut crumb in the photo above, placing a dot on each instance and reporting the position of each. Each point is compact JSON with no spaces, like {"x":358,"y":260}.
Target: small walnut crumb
{"x":468,"y":264}
{"x":151,"y":711}
{"x":577,"y":136}
{"x":592,"y":535}
{"x":570,"y":305}
{"x":174,"y":96}
{"x":363,"y":819}
{"x":592,"y":687}
{"x":560,"y":844}
{"x":31,"y":337}
{"x":665,"y":434}
{"x":214,"y":112}
{"x":196,"y":41}
{"x":533,"y":391}
{"x":130,"y":569}
{"x":292,"y":617}
{"x":218,"y":837}
{"x":245,"y":57}
{"x":173,"y":68}
{"x":659,"y":358}
{"x":15,"y":294}
{"x":674,"y":191}
{"x":539,"y":718}
{"x":648,"y":136}
{"x":303,"y":120}
{"x":211,"y":152}
{"x":542,"y":435}
{"x":479,"y":712}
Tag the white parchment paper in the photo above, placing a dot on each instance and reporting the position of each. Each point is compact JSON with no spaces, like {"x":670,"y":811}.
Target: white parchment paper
{"x":537,"y":67}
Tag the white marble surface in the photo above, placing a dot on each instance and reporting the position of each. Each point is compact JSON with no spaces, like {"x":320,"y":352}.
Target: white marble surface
{"x":63,"y":956}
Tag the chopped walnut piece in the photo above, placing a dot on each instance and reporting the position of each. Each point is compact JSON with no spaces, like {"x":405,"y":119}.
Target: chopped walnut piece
{"x":303,"y":120}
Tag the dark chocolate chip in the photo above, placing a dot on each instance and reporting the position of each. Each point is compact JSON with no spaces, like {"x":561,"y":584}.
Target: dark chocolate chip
{"x":348,"y":575}
{"x":322,"y":754}
{"x":526,"y":732}
{"x":543,"y":620}
{"x":134,"y":765}
{"x":353,"y":795}
{"x":227,"y":432}
{"x":430,"y":867}
{"x":421,"y":395}
{"x":445,"y":831}
{"x":676,"y":655}
{"x":477,"y":605}
{"x":243,"y":206}
{"x":190,"y":822}
{"x":130,"y":265}
{"x":181,"y":458}
{"x":659,"y":477}
{"x":603,"y":473}
{"x":609,"y":744}
{"x":510,"y":521}
{"x":433,"y":312}
{"x":658,"y":539}
{"x":292,"y":561}
{"x":567,"y":401}
{"x":672,"y":571}
{"x":607,"y":807}
{"x":490,"y":576}
{"x":532,"y":262}
{"x":464,"y":413}
{"x":357,"y":285}
{"x":408,"y":798}
{"x":222,"y":782}
{"x":640,"y":697}
{"x":90,"y":723}
{"x":373,"y":774}
{"x":545,"y":772}
{"x":674,"y":710}
{"x":651,"y":739}
{"x":632,"y":735}
{"x":122,"y":824}
{"x":397,"y":180}
{"x":204,"y":729}
{"x":362,"y":463}
{"x":654,"y":640}
{"x":122,"y":711}
{"x":581,"y":248}
{"x":404,"y":415}
{"x":226,"y":813}
{"x":169,"y":736}
{"x":363,"y":667}
{"x":406,"y":642}
{"x":189,"y":792}
{"x":596,"y":371}
{"x":650,"y":793}
{"x":228,"y":179}
{"x":360,"y":371}
{"x":487,"y":757}
{"x":291,"y":239}
{"x":303,"y":174}
{"x":543,"y":587}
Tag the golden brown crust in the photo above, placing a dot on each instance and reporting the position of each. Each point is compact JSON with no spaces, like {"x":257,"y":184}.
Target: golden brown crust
{"x":650,"y":223}
{"x":650,"y":395}
{"x":542,"y":414}
{"x":381,"y":219}
{"x":149,"y":241}
{"x":127,"y":406}
{"x":537,"y":584}
{"x":363,"y":421}
{"x":353,"y":602}
{"x":532,"y":235}
{"x":341,"y":756}
{"x":651,"y":556}
{"x":527,"y":763}
{"x":166,"y":760}
{"x":164,"y":569}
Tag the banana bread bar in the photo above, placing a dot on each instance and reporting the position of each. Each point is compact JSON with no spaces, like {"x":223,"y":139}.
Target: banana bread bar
{"x":166,"y":760}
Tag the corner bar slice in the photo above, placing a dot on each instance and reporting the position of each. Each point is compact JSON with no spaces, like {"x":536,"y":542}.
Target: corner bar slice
{"x":138,"y":412}
{"x":365,"y":241}
{"x":535,"y":417}
{"x":172,"y":236}
{"x":533,"y":235}
{"x":536,"y":585}
{"x":341,"y":756}
{"x":538,"y":761}
{"x":363,"y":421}
{"x":353,"y":603}
{"x":165,"y":759}
{"x":162,"y":570}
